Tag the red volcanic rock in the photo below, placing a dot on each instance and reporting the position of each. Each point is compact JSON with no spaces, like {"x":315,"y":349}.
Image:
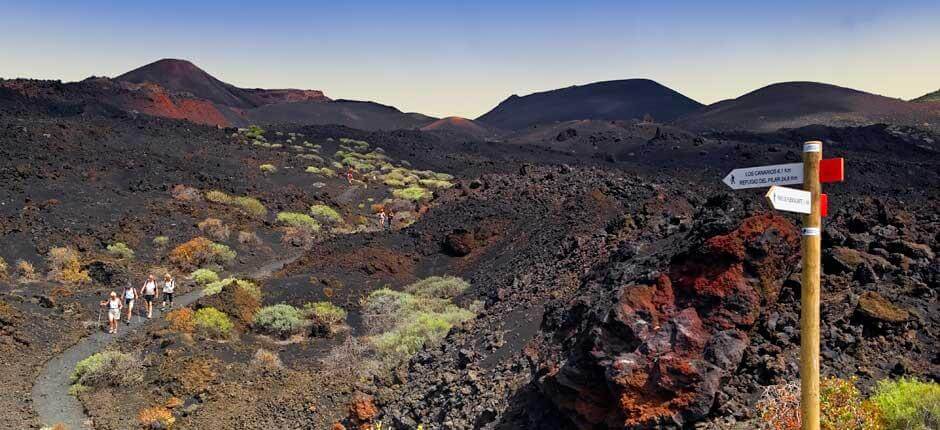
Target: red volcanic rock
{"x":660,"y":355}
{"x":154,"y":100}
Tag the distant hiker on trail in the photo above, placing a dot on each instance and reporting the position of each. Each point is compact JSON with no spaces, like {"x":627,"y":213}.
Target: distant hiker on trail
{"x":169,"y":285}
{"x":349,"y":175}
{"x":383,"y":218}
{"x":130,"y":294}
{"x":114,"y":306}
{"x":149,"y":291}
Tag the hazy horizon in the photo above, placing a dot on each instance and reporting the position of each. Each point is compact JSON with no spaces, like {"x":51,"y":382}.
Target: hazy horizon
{"x":462,"y":59}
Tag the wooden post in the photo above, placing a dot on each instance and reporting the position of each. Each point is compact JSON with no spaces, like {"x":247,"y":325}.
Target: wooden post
{"x":809,"y":298}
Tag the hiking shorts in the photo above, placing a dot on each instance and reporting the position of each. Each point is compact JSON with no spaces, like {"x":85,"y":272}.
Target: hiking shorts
{"x":149,"y":298}
{"x":168,"y":297}
{"x":128,"y":302}
{"x":114,"y":314}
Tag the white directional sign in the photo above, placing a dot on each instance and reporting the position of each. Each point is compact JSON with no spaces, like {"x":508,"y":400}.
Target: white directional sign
{"x":789,"y":199}
{"x":765,"y":176}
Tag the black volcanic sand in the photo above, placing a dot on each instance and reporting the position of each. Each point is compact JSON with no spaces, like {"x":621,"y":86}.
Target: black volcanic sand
{"x":543,"y":222}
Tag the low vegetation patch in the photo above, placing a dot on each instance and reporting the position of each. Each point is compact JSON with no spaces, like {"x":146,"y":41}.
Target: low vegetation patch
{"x":201,"y":251}
{"x":204,"y":277}
{"x":25,"y":272}
{"x":421,"y":317}
{"x":908,"y":404}
{"x":325,"y":213}
{"x":266,"y":360}
{"x":161,"y":241}
{"x":413,"y":193}
{"x":248,"y":238}
{"x":249,"y":205}
{"x":268,"y":168}
{"x":107,"y":368}
{"x":842,"y":406}
{"x":237,"y":297}
{"x":64,"y":266}
{"x":3,"y":269}
{"x":322,"y":171}
{"x":181,"y":320}
{"x":121,"y":250}
{"x":298,"y":220}
{"x":280,"y":320}
{"x":156,"y":417}
{"x":325,"y":317}
{"x":214,"y":228}
{"x":212,"y":323}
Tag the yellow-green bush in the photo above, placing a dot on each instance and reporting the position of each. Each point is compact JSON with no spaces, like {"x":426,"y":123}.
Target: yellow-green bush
{"x":908,"y":404}
{"x":411,"y":321}
{"x":325,"y":315}
{"x":268,"y":168}
{"x":212,"y":323}
{"x":298,"y":220}
{"x":279,"y":320}
{"x":322,"y":171}
{"x":216,"y":196}
{"x":161,"y":241}
{"x":412,"y":193}
{"x":441,"y":287}
{"x":435,"y":184}
{"x":156,"y":417}
{"x":842,"y":407}
{"x":204,"y":277}
{"x":249,"y":205}
{"x":201,"y":252}
{"x":325,"y":213}
{"x":107,"y":368}
{"x":121,"y":250}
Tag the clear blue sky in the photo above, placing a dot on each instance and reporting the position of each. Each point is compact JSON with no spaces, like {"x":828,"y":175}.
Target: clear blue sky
{"x":462,"y":58}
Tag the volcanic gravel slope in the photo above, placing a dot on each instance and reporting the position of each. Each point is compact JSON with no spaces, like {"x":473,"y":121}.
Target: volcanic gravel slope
{"x":621,"y":285}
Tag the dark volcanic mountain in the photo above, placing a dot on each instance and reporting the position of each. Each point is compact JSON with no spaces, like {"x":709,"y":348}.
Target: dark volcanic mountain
{"x":933,"y":97}
{"x":363,"y":115}
{"x":623,"y":99}
{"x":797,"y":104}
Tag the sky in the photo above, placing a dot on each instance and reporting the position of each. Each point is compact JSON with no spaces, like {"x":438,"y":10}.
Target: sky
{"x":462,"y":58}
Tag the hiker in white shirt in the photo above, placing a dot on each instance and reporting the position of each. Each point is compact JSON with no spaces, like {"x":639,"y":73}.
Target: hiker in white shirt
{"x":169,"y":286}
{"x":114,"y":311}
{"x":149,"y":291}
{"x":130,"y":294}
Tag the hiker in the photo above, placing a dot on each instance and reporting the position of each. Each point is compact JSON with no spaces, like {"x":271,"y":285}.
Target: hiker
{"x":383,"y":218}
{"x":114,"y":306}
{"x":349,"y":175}
{"x":149,"y":291}
{"x":390,"y":216}
{"x":130,"y":294}
{"x":169,"y":285}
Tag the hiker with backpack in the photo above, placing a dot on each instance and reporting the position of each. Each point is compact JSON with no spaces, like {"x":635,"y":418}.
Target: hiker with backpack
{"x":149,"y":291}
{"x":169,"y":286}
{"x":130,"y":295}
{"x":114,"y":306}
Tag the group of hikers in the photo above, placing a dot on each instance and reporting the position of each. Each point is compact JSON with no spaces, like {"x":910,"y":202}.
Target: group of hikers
{"x":150,"y":291}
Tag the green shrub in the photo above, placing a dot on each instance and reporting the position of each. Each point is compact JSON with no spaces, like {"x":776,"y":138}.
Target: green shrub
{"x":212,"y":323}
{"x":908,"y":404}
{"x":441,"y":287}
{"x":298,"y":220}
{"x":252,"y":206}
{"x":107,"y":368}
{"x":322,"y":171}
{"x":394,"y":183}
{"x":842,"y":406}
{"x":204,"y":277}
{"x":424,"y":328}
{"x":254,"y":132}
{"x":412,"y":193}
{"x":279,"y":320}
{"x":3,"y":268}
{"x":312,"y":157}
{"x":216,"y":196}
{"x":412,"y":321}
{"x":435,"y":184}
{"x":121,"y":250}
{"x":325,"y":213}
{"x":325,"y":313}
{"x":161,"y":241}
{"x":268,"y":168}
{"x":222,"y":253}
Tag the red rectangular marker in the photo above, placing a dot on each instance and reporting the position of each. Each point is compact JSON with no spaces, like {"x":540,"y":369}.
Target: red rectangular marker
{"x":823,"y":204}
{"x":831,"y":170}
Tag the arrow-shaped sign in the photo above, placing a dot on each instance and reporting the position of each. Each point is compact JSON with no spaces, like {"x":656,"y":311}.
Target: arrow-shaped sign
{"x":830,"y":170}
{"x":765,"y":176}
{"x":789,"y":199}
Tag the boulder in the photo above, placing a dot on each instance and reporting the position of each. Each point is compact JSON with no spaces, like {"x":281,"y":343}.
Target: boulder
{"x":459,"y":243}
{"x":841,"y":259}
{"x":872,"y":305}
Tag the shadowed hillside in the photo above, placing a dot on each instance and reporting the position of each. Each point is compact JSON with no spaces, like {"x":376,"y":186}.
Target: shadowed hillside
{"x":623,"y":99}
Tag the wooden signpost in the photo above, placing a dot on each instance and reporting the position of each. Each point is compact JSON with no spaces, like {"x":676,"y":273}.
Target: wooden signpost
{"x":813,"y":205}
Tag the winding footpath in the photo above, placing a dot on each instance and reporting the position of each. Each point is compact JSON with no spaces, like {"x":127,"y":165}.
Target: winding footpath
{"x":51,"y":398}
